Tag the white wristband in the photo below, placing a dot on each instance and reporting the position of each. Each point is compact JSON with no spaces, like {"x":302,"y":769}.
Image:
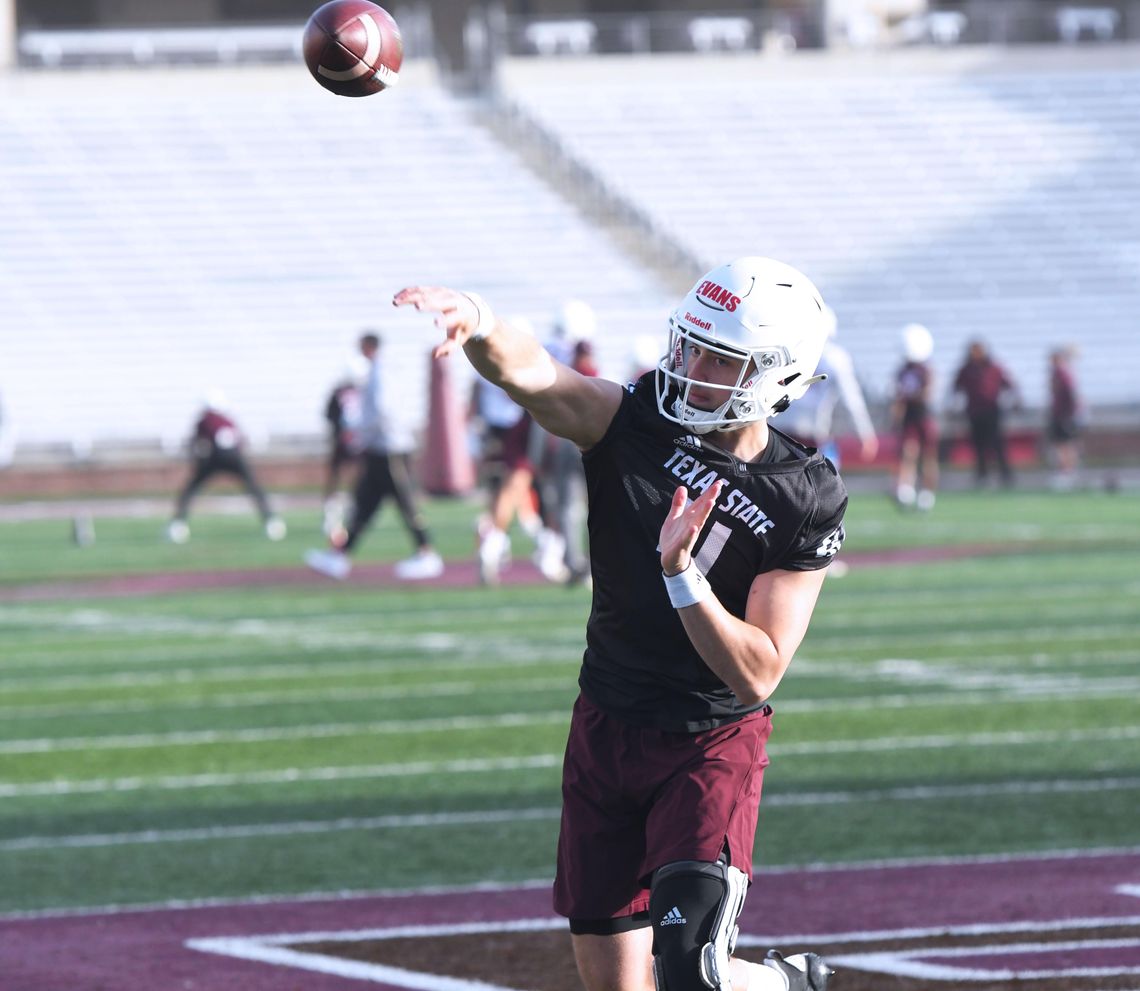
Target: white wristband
{"x":688,"y":587}
{"x":486,"y":318}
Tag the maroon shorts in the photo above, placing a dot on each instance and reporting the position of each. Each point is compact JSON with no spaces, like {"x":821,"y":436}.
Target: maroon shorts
{"x":635,"y":799}
{"x":924,"y":431}
{"x":508,"y":447}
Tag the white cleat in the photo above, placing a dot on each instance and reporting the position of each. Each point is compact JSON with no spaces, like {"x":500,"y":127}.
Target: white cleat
{"x":421,"y":565}
{"x":177,"y":531}
{"x":801,"y":971}
{"x":550,"y":556}
{"x":275,"y":528}
{"x":332,"y":564}
{"x":494,"y":553}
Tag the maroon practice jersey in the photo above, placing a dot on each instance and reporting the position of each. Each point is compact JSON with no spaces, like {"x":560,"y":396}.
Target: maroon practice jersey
{"x":784,"y":511}
{"x":215,"y":431}
{"x":912,"y":387}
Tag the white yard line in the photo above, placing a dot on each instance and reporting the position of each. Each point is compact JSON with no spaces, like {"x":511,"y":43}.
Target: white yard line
{"x":961,"y":681}
{"x":804,"y":799}
{"x":318,"y":668}
{"x":910,"y":963}
{"x":288,"y":950}
{"x":313,"y":633}
{"x":300,"y":696}
{"x":510,"y":654}
{"x":816,"y":867}
{"x":968,"y":640}
{"x":288,"y":776}
{"x":447,"y":724}
{"x":213,"y":833}
{"x":403,"y":727}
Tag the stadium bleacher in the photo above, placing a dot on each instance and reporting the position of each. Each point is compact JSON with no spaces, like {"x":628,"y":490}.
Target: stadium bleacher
{"x":985,"y":193}
{"x":171,"y":230}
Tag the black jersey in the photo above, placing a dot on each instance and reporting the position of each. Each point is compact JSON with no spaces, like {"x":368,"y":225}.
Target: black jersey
{"x":784,"y":511}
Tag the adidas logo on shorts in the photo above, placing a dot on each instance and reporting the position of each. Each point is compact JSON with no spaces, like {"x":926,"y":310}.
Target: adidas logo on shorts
{"x":674,"y":917}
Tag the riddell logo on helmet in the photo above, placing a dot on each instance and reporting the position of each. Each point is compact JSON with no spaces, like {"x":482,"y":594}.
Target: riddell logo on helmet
{"x":718,"y":295}
{"x":697,"y":321}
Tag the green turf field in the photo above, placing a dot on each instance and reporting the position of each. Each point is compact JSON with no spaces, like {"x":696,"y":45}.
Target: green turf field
{"x":316,"y":737}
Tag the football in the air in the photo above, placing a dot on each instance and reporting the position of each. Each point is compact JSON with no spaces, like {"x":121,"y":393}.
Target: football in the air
{"x":353,"y":47}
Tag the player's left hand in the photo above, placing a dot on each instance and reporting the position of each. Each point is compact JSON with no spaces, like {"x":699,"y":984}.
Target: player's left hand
{"x":458,"y":315}
{"x":683,"y":525}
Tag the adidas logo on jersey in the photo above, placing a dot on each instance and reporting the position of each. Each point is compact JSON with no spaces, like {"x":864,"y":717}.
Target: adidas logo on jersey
{"x":688,"y":441}
{"x":674,"y":918}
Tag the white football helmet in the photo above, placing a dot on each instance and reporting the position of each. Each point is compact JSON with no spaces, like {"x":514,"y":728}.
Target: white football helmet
{"x":575,"y":321}
{"x":918,"y":344}
{"x":756,"y":310}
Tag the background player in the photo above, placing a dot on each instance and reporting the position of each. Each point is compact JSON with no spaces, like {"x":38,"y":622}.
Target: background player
{"x":504,"y":435}
{"x":692,"y":626}
{"x":342,"y":412}
{"x":986,"y":388}
{"x":1063,"y":429}
{"x":912,"y":412}
{"x":385,"y":472}
{"x":216,"y":449}
{"x":561,"y":481}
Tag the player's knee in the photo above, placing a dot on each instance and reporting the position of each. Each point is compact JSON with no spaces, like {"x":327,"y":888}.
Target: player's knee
{"x":693,"y":906}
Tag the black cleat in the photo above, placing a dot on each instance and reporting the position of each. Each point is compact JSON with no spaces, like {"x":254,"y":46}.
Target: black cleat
{"x":802,"y":971}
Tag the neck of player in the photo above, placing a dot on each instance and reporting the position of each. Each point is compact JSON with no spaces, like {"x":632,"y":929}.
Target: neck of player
{"x":746,"y":443}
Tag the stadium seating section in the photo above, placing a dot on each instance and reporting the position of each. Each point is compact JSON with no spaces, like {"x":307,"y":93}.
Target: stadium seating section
{"x":167,"y":231}
{"x":985,"y":196}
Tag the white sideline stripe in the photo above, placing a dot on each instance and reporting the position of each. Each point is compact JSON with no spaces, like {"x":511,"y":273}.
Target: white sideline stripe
{"x":288,"y":775}
{"x":282,"y":733}
{"x":949,"y":670}
{"x":416,"y":931}
{"x":1128,"y":889}
{"x":907,"y":963}
{"x":967,"y":929}
{"x":269,"y":949}
{"x":1036,"y":856}
{"x":535,"y":814}
{"x":1015,"y":689}
{"x":304,"y":898}
{"x":310,"y":634}
{"x":1046,"y":666}
{"x":273,"y":949}
{"x":490,"y":656}
{"x":940,"y":638}
{"x":210,"y":833}
{"x":948,"y":741}
{"x":944,"y":741}
{"x":396,"y":977}
{"x":307,"y":696}
{"x":955,"y":791}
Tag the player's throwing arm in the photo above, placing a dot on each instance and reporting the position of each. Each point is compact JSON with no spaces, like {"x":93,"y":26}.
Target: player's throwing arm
{"x":564,"y":402}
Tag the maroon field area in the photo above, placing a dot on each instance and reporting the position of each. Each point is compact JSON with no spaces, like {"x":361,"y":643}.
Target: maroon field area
{"x":1049,"y":923}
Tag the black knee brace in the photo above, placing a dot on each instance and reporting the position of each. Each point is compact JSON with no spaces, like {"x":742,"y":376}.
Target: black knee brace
{"x":693,"y":907}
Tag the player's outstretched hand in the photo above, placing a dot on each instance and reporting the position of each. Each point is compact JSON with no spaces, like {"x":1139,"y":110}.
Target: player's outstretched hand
{"x":683,"y":525}
{"x":458,"y":316}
